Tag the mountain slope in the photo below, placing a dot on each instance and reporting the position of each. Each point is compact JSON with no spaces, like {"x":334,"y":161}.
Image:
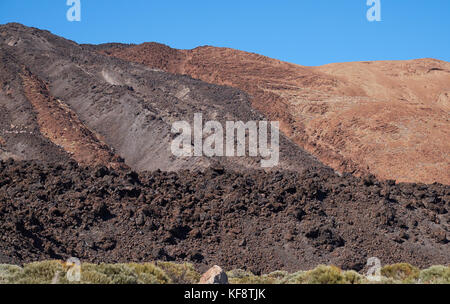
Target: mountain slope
{"x":78,"y":112}
{"x":108,"y":109}
{"x":387,"y":118}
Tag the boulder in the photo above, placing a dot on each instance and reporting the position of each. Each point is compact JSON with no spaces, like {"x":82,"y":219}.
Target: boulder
{"x":215,"y":275}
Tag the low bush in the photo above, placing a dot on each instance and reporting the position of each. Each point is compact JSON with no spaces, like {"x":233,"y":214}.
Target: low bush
{"x":180,"y":273}
{"x":403,"y":272}
{"x":435,"y":275}
{"x":240,"y":276}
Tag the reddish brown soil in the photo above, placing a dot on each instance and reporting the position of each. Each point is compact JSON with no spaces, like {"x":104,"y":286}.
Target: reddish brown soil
{"x":256,"y":220}
{"x":62,"y":127}
{"x":388,"y":118}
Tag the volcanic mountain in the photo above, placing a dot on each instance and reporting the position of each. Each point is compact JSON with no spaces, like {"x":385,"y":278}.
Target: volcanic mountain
{"x":86,"y":169}
{"x":63,"y":101}
{"x":389,"y":118}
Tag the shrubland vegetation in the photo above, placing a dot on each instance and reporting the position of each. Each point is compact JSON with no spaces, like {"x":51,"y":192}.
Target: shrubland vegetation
{"x":55,"y":272}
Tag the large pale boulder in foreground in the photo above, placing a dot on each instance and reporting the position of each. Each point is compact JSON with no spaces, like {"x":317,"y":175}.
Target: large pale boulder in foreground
{"x":214,"y":275}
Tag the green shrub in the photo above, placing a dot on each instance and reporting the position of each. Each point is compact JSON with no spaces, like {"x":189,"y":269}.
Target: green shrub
{"x":325,"y":275}
{"x":403,"y":272}
{"x":108,"y":274}
{"x":123,"y":274}
{"x":93,"y":277}
{"x":352,"y":277}
{"x":295,"y":278}
{"x":8,"y":273}
{"x":278,"y":276}
{"x":180,"y":273}
{"x":435,"y":275}
{"x":240,"y":276}
{"x":40,"y":273}
{"x":149,"y":273}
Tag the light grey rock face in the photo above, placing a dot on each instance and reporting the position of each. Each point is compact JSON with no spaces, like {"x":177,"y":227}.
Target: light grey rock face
{"x":215,"y":275}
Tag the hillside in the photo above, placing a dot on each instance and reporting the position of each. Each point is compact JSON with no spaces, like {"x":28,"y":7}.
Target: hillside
{"x":86,"y":169}
{"x":63,"y":101}
{"x":388,"y":118}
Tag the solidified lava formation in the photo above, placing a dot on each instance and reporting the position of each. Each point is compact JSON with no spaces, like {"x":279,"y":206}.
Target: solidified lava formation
{"x":260,"y":221}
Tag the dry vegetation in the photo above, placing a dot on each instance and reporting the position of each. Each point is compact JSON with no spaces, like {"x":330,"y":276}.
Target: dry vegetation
{"x":55,"y":272}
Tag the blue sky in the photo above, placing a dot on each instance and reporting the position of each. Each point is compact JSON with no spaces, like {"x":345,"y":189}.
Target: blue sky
{"x":307,"y":32}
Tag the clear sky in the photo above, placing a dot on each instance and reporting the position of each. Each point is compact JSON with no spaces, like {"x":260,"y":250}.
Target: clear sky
{"x":307,"y":32}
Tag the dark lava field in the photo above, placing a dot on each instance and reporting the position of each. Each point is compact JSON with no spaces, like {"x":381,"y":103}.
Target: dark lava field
{"x":259,"y":221}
